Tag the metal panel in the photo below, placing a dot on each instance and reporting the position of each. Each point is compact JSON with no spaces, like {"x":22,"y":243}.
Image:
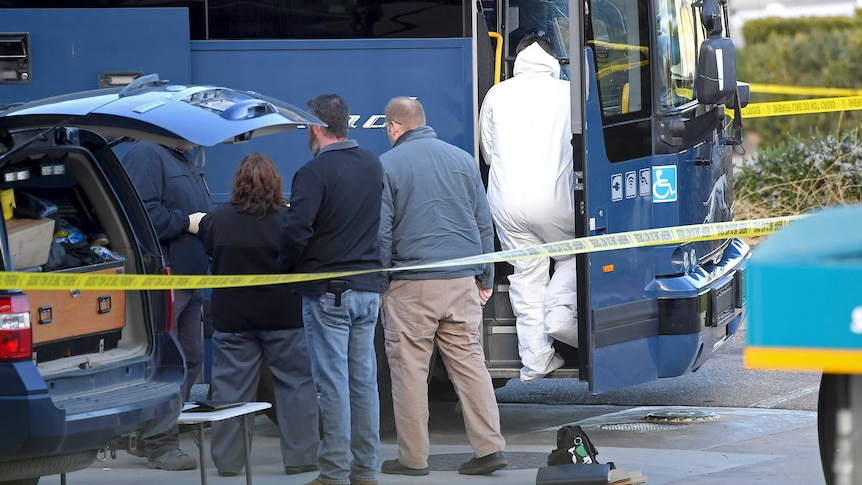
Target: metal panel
{"x":366,"y":73}
{"x":70,"y":47}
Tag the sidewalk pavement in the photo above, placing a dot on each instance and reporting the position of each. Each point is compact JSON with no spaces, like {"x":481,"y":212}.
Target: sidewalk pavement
{"x":733,"y":446}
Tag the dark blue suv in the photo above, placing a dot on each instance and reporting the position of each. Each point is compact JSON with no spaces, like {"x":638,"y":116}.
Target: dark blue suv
{"x":83,"y":371}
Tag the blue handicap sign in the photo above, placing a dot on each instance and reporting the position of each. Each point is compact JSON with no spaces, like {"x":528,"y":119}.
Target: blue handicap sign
{"x":664,"y":183}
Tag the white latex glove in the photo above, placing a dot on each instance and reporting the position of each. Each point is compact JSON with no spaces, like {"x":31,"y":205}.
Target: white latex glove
{"x":195,"y":221}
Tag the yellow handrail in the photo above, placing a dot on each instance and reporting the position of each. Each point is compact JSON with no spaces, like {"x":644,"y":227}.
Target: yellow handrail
{"x":498,"y":54}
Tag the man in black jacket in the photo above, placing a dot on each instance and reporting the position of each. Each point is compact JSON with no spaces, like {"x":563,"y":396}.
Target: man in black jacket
{"x":176,"y":197}
{"x":332,"y":226}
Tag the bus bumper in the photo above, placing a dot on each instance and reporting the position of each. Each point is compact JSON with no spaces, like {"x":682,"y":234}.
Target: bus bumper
{"x":699,"y":312}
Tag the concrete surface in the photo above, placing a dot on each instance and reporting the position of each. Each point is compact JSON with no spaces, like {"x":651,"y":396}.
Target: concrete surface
{"x":737,"y":446}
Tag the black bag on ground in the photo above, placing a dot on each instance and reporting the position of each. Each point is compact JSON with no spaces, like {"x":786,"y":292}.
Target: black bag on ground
{"x":573,"y":447}
{"x":571,"y":474}
{"x":574,"y":461}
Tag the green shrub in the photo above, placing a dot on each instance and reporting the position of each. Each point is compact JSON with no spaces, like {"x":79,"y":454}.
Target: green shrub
{"x":797,"y":175}
{"x":819,"y":58}
{"x":760,"y":30}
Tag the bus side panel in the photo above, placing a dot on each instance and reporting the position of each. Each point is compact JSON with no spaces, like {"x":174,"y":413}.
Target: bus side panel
{"x":367,"y":73}
{"x":70,"y":47}
{"x":623,"y":326}
{"x":624,"y":362}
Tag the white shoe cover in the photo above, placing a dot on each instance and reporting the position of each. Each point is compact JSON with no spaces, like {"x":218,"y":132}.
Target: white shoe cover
{"x":531,"y":375}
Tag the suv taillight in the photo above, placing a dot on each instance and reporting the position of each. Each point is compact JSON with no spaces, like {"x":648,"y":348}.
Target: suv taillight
{"x":16,"y":338}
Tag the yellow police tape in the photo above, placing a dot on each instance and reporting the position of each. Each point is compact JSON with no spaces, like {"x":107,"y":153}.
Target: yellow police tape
{"x":802,"y":106}
{"x":802,"y":90}
{"x":608,"y":242}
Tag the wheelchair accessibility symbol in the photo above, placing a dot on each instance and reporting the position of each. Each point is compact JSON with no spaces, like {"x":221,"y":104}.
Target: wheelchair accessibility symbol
{"x":664,"y":183}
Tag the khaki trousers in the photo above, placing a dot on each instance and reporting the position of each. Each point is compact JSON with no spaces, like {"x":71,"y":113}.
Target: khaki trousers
{"x":416,"y":315}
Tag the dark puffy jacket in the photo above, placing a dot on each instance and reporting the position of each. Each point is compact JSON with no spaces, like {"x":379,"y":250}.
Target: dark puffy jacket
{"x":172,"y":188}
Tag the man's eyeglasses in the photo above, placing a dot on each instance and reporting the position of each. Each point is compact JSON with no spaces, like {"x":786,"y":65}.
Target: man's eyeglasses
{"x":386,"y":125}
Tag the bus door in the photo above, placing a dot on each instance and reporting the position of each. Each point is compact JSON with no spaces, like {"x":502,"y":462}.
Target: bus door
{"x":618,"y":311}
{"x":617,"y":307}
{"x":648,"y":156}
{"x":660,"y":160}
{"x":46,"y":52}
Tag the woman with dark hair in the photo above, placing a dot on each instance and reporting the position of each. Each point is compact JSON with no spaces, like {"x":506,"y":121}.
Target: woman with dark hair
{"x":258,"y":322}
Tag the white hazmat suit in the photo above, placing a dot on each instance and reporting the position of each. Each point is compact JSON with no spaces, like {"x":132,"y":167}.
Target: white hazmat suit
{"x":525,"y":129}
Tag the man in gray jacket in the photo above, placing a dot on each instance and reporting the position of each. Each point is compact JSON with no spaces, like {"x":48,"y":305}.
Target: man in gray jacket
{"x":434,"y":208}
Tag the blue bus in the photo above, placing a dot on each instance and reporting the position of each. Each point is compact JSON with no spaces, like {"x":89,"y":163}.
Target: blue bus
{"x":653,"y":85}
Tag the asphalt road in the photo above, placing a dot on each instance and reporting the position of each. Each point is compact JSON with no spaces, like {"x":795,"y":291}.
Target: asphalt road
{"x":723,"y":381}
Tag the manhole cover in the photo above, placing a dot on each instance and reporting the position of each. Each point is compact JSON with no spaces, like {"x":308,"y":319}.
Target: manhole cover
{"x":678,"y":416}
{"x":517,"y":460}
{"x":640,"y":426}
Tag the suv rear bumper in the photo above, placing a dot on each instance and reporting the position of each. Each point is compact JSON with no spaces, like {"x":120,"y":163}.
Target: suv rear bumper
{"x":43,"y":425}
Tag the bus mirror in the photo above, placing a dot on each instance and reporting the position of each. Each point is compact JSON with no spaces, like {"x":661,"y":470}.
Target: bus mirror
{"x":743,"y":91}
{"x":716,"y":71}
{"x":710,"y":17}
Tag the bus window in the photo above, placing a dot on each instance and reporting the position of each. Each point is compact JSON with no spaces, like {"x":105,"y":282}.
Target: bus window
{"x":299,"y":19}
{"x":335,"y":19}
{"x":677,"y":30}
{"x":621,"y":47}
{"x":618,"y":34}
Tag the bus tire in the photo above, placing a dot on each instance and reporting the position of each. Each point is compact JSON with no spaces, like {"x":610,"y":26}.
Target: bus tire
{"x":833,"y":396}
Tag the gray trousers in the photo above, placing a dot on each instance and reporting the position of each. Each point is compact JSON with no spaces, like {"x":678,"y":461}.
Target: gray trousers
{"x":237,"y":359}
{"x":187,"y":330}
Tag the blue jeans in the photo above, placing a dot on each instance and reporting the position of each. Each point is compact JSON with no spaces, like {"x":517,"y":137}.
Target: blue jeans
{"x":344,"y":365}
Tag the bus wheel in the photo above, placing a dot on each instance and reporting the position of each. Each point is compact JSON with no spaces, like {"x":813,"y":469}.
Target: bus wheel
{"x":833,"y":396}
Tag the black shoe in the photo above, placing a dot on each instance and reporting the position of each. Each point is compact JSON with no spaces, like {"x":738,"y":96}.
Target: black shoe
{"x":297,"y":469}
{"x":394,"y":467}
{"x":174,"y":460}
{"x":485,"y":465}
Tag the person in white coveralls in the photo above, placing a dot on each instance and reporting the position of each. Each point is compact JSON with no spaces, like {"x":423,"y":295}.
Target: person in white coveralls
{"x":525,"y":130}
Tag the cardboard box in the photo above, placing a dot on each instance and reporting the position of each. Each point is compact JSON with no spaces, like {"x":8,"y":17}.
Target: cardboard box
{"x":30,"y":241}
